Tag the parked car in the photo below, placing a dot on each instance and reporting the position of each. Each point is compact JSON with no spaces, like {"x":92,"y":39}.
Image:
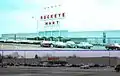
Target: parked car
{"x":84,"y":45}
{"x":68,"y":65}
{"x":91,"y":64}
{"x":2,"y":40}
{"x":85,"y":67}
{"x":114,"y":46}
{"x":60,"y":44}
{"x":117,"y":68}
{"x":47,"y":43}
{"x":71,"y":44}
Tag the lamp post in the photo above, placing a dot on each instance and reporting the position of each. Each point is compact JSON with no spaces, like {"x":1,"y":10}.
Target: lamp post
{"x":109,"y":59}
{"x":36,"y":27}
{"x":2,"y":56}
{"x":24,"y":58}
{"x":45,"y":31}
{"x":59,"y":30}
{"x":51,"y":34}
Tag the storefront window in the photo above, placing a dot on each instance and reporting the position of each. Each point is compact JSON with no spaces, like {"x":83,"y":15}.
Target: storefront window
{"x":44,"y":17}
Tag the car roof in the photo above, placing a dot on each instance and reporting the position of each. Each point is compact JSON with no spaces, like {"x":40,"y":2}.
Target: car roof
{"x":118,"y":65}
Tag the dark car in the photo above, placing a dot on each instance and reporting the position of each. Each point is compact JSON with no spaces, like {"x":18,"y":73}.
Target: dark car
{"x":117,"y":68}
{"x":114,"y":46}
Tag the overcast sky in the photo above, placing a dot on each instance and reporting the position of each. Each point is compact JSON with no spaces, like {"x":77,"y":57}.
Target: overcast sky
{"x":16,"y":15}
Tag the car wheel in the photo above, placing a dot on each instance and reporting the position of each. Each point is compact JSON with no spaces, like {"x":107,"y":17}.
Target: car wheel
{"x":84,"y":47}
{"x":117,"y":70}
{"x":112,"y":48}
{"x":107,"y":48}
{"x":88,"y":47}
{"x":116,"y":48}
{"x":64,"y":47}
{"x":51,"y":46}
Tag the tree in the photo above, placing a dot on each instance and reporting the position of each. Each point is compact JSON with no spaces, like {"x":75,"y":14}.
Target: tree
{"x":59,"y":38}
{"x":9,"y":57}
{"x":37,"y":38}
{"x":66,"y":39}
{"x":43,"y":38}
{"x":104,"y":37}
{"x":15,"y":55}
{"x":74,"y":55}
{"x":36,"y":56}
{"x":51,"y":38}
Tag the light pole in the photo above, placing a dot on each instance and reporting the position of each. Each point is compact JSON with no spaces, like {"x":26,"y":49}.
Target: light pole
{"x":37,"y":31}
{"x":45,"y":32}
{"x":51,"y":33}
{"x":109,"y":59}
{"x":2,"y":56}
{"x":59,"y":30}
{"x":24,"y":57}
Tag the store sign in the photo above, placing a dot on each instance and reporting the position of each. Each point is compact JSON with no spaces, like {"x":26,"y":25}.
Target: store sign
{"x":53,"y":16}
{"x":53,"y":58}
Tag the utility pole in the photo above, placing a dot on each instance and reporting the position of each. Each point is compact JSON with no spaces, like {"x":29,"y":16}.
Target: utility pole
{"x":15,"y":37}
{"x":104,"y":37}
{"x":2,"y":58}
{"x":37,"y":31}
{"x":24,"y":58}
{"x":109,"y":59}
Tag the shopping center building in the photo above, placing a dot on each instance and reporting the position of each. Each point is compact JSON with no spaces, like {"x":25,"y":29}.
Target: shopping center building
{"x":90,"y":36}
{"x":70,"y":60}
{"x":55,"y":20}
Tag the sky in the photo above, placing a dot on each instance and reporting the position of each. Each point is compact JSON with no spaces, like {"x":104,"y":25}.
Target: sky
{"x":16,"y":15}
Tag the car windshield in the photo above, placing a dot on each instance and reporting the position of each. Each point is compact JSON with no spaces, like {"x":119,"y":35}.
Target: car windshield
{"x":70,"y":42}
{"x":116,"y":44}
{"x":118,"y":65}
{"x":84,"y":43}
{"x":46,"y":42}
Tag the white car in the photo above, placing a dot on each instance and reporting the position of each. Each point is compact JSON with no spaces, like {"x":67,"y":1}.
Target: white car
{"x":85,"y":67}
{"x":60,"y":44}
{"x":10,"y":41}
{"x":71,"y":44}
{"x":84,"y":45}
{"x":68,"y":65}
{"x":47,"y":43}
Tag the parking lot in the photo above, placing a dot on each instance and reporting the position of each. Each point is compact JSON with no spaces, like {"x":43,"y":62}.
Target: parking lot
{"x":13,"y":46}
{"x":56,"y":71}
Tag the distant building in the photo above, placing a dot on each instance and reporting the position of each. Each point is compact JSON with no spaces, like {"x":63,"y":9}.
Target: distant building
{"x":56,"y":18}
{"x":70,"y":60}
{"x":90,"y":36}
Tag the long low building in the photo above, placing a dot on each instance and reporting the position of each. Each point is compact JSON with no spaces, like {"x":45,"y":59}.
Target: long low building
{"x":90,"y":36}
{"x":70,"y":60}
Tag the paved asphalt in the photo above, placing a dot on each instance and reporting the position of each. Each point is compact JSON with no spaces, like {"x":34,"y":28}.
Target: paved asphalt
{"x":12,"y":46}
{"x":56,"y":71}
